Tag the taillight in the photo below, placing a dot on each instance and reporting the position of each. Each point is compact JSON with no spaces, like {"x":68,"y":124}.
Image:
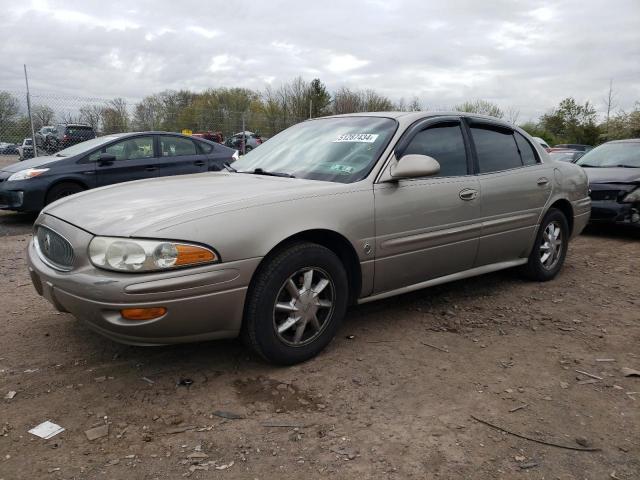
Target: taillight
{"x":258,"y":141}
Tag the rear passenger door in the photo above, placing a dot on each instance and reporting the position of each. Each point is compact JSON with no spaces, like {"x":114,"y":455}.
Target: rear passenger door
{"x":179,"y":156}
{"x":514,"y":186}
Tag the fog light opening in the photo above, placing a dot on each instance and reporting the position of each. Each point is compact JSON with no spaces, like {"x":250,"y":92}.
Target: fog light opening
{"x":137,"y":314}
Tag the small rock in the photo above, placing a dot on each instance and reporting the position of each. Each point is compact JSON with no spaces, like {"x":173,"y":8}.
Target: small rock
{"x":564,"y":385}
{"x":97,"y":432}
{"x":228,"y":415}
{"x":630,"y":372}
{"x":197,"y":456}
{"x":10,"y":395}
{"x":583,"y":442}
{"x":100,"y":379}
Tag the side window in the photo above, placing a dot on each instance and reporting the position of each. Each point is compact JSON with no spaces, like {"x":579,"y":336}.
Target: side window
{"x":176,"y":146}
{"x":496,"y":149}
{"x":444,"y":143}
{"x":138,"y":147}
{"x":205,"y":147}
{"x":526,"y":150}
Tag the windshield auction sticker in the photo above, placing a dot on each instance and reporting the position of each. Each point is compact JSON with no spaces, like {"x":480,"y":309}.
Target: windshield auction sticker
{"x":357,"y":138}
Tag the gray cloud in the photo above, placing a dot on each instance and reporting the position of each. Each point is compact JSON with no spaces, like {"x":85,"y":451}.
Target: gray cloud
{"x":518,"y":54}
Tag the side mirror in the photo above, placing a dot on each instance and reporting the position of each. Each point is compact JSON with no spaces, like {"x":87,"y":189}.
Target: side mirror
{"x":414,"y":166}
{"x":106,"y":159}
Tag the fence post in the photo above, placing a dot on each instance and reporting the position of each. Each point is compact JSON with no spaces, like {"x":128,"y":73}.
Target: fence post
{"x":33,"y":132}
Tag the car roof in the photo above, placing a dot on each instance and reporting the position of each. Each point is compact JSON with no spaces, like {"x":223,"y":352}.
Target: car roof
{"x":626,"y":140}
{"x":407,"y":118}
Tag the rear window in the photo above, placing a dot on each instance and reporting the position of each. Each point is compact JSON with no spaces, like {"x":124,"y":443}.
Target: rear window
{"x":205,"y":147}
{"x":80,"y":130}
{"x":496,"y":149}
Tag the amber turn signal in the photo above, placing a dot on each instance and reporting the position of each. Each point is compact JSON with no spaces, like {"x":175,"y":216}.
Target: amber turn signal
{"x":190,"y":254}
{"x":142,"y":313}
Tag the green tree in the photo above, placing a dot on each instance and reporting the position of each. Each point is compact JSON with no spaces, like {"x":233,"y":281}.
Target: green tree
{"x":320,"y":98}
{"x":571,"y":122}
{"x":481,"y":107}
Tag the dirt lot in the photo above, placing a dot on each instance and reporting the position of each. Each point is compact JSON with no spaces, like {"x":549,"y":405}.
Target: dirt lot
{"x":392,"y":397}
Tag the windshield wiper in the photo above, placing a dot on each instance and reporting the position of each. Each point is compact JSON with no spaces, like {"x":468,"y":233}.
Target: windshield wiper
{"x":624,"y":166}
{"x":260,"y":171}
{"x":589,"y":166}
{"x":228,"y":166}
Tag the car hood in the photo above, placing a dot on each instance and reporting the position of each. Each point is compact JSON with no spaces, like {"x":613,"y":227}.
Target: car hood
{"x":31,"y":163}
{"x":135,"y":207}
{"x":613,"y":175}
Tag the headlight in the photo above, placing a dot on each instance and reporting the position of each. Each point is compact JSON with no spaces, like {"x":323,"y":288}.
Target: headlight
{"x":130,"y":255}
{"x":26,"y":174}
{"x":632,"y":197}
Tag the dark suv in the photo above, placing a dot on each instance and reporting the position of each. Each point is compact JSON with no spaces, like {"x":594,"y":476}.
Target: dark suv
{"x":67,"y":134}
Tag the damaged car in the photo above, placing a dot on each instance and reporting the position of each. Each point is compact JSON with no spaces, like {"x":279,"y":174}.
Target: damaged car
{"x":613,"y":169}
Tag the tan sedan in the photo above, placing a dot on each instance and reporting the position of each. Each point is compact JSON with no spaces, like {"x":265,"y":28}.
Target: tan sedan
{"x":330,"y":212}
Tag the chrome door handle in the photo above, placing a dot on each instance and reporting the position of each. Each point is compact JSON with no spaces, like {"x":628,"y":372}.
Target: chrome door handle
{"x":543,"y":181}
{"x":468,"y":194}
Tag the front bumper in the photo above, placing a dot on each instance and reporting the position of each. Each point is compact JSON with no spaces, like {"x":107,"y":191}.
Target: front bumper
{"x":202,"y":303}
{"x":21,"y":195}
{"x":610,"y":211}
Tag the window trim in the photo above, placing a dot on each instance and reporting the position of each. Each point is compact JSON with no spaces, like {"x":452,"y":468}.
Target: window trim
{"x":536,"y":154}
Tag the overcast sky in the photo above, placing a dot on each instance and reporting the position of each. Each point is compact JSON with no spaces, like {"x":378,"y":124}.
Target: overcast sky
{"x":522,"y":54}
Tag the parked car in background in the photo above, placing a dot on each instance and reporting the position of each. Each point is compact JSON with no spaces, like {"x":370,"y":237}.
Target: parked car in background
{"x":8,"y":148}
{"x":614,"y":181}
{"x":575,"y":146}
{"x":68,"y":134}
{"x":250,"y":139}
{"x":25,"y":151}
{"x":565,"y":155}
{"x":276,"y":248}
{"x":44,"y":137}
{"x":209,"y":135}
{"x":544,"y":144}
{"x":32,"y":184}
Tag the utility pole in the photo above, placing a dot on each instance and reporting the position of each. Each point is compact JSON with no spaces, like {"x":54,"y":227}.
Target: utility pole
{"x":33,"y":132}
{"x":244,"y":136}
{"x":310,"y":108}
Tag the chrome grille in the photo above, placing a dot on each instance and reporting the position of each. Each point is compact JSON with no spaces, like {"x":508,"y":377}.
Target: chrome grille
{"x":54,"y":249}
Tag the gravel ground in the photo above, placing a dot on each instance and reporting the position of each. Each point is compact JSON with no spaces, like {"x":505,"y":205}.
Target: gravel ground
{"x":392,"y":397}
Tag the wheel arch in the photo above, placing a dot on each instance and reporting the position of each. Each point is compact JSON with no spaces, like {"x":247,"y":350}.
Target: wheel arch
{"x":335,"y":242}
{"x":565,"y":207}
{"x":60,"y":181}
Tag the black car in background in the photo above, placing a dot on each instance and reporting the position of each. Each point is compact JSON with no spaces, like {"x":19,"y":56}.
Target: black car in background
{"x":614,"y":181}
{"x":32,"y":184}
{"x":65,"y":135}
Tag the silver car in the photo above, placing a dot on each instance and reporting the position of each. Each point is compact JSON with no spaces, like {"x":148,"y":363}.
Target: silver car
{"x":331,"y":212}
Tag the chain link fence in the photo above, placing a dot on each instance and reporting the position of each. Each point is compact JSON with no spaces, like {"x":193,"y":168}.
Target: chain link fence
{"x":176,"y":112}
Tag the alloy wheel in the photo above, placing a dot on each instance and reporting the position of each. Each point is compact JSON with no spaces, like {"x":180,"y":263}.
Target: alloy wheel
{"x":304,"y":306}
{"x":551,"y":246}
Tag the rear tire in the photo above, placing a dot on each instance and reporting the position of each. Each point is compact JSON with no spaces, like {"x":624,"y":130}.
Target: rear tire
{"x":550,"y":248}
{"x":62,"y":190}
{"x":295,"y":304}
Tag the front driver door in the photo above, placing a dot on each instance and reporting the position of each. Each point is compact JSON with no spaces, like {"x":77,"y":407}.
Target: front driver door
{"x":133,"y":159}
{"x":428,"y":227}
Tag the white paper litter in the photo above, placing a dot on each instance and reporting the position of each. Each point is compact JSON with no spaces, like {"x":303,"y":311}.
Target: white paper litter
{"x":10,"y":395}
{"x":46,"y":430}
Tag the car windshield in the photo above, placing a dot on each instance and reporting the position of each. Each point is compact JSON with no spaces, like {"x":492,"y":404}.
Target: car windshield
{"x":339,"y":149}
{"x":625,"y":154}
{"x":82,"y":147}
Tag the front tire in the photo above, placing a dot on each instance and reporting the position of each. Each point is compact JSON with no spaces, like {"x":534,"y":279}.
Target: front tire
{"x":296,"y":304}
{"x":62,"y":190}
{"x":550,"y":249}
